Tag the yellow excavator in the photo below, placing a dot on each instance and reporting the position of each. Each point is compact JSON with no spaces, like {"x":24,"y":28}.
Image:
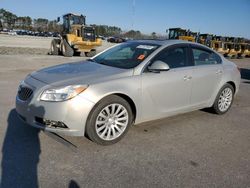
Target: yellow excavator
{"x":182,"y":34}
{"x":76,"y":38}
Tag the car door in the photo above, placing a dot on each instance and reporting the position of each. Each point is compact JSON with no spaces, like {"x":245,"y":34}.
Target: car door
{"x":167,"y":92}
{"x":207,"y":74}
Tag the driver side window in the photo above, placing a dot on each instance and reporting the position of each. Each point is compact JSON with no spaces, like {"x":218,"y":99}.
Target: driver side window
{"x":174,"y":57}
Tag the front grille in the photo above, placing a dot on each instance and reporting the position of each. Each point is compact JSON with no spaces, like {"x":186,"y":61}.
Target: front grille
{"x":24,"y":93}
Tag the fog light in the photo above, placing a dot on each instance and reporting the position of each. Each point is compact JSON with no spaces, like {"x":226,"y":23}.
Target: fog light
{"x":51,"y":123}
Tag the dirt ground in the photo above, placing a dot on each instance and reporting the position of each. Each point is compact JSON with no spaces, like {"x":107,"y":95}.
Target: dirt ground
{"x":17,"y":45}
{"x":196,"y":149}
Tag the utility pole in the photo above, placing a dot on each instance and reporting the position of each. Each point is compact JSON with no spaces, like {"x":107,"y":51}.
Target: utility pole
{"x":133,"y":14}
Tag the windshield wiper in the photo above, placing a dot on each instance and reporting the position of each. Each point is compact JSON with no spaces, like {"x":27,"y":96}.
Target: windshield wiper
{"x":92,"y":60}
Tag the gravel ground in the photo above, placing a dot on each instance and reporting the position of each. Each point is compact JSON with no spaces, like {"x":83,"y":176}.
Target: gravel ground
{"x":196,"y":149}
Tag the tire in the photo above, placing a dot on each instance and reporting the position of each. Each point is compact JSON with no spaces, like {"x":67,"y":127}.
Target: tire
{"x":67,"y":51}
{"x":111,"y":129}
{"x":90,"y":54}
{"x":227,"y":91}
{"x":54,"y":49}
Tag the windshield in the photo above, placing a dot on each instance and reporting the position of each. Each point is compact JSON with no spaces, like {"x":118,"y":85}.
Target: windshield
{"x":172,"y":34}
{"x":126,"y":55}
{"x":76,"y":20}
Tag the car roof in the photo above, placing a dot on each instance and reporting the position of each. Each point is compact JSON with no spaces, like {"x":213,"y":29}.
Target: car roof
{"x":165,"y":42}
{"x":169,"y":42}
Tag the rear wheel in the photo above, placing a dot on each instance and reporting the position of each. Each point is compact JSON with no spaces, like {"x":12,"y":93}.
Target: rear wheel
{"x":66,"y":49}
{"x":90,"y":54}
{"x":224,"y":99}
{"x":109,"y":121}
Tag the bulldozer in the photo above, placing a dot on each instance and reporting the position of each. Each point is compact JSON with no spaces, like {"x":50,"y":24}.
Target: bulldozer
{"x":76,"y":37}
{"x":182,"y":34}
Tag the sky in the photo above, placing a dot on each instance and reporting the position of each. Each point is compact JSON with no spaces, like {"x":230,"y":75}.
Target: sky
{"x":221,"y":17}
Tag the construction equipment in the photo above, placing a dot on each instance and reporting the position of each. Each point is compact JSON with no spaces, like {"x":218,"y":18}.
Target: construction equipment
{"x":182,"y":34}
{"x":205,"y":39}
{"x":248,"y":50}
{"x":76,"y":38}
{"x":218,"y":44}
{"x":230,"y":45}
{"x":243,"y":46}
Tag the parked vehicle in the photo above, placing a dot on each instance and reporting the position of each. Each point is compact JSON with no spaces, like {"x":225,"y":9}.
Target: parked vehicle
{"x":12,"y":33}
{"x":206,"y":39}
{"x":101,"y":37}
{"x":116,"y":40}
{"x":130,"y":83}
{"x":219,"y":45}
{"x":230,"y":45}
{"x":242,"y":48}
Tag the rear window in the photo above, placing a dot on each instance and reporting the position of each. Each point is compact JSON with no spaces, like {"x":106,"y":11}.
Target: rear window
{"x":205,"y":57}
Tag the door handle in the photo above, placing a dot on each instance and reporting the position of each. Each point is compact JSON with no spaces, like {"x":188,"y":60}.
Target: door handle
{"x":219,"y":72}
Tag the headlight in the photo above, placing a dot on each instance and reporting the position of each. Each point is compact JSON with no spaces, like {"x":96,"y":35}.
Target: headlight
{"x":20,"y":85}
{"x":62,"y":93}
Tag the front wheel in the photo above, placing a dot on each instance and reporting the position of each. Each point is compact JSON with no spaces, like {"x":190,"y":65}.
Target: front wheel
{"x":54,"y":47}
{"x":109,"y":121}
{"x":224,"y":99}
{"x":67,"y":51}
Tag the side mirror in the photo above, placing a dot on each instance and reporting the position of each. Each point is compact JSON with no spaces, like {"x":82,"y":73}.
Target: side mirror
{"x":158,"y":66}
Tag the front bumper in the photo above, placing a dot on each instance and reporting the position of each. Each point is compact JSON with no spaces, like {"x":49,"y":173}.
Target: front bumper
{"x":73,"y":113}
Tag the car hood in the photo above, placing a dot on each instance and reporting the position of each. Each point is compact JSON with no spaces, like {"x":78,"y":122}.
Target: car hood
{"x":85,"y":72}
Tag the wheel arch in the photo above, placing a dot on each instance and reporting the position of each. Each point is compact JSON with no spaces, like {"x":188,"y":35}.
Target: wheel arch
{"x":123,"y":96}
{"x":213,"y":98}
{"x":232,"y":84}
{"x":131,"y":103}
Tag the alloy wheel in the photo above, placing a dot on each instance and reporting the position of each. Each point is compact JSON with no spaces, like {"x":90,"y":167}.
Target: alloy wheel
{"x":112,"y":121}
{"x":225,"y":99}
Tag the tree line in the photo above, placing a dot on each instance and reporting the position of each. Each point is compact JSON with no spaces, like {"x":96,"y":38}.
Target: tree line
{"x":9,"y":20}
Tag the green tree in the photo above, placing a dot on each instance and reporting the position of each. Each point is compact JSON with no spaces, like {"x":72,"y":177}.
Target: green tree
{"x":23,"y":22}
{"x":8,"y":18}
{"x":133,"y":34}
{"x":41,"y":24}
{"x":153,"y":34}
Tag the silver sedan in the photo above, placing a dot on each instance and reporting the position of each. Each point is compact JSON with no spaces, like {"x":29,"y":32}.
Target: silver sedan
{"x":130,"y":83}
